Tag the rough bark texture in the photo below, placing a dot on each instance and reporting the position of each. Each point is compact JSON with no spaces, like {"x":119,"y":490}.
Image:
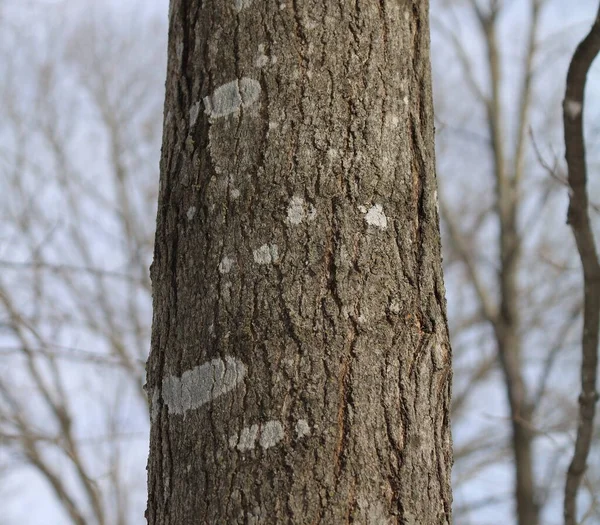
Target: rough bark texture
{"x":300,"y":366}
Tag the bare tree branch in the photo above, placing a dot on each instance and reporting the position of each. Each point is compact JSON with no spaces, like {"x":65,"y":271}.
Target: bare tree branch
{"x":578,"y":218}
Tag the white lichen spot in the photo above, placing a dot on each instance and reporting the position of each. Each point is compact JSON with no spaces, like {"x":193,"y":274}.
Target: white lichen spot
{"x":273,"y":59}
{"x":238,"y":5}
{"x":281,"y":7}
{"x":302,"y":428}
{"x":225,"y":265}
{"x":273,"y":125}
{"x":271,"y":434}
{"x":332,"y":153}
{"x":268,"y":435}
{"x":191,"y":212}
{"x":298,"y":210}
{"x":230,"y":97}
{"x":266,"y":254}
{"x":573,"y":108}
{"x":247,"y":439}
{"x":405,"y":100}
{"x":295,"y":211}
{"x":395,"y":306}
{"x":261,"y":59}
{"x":202,"y":384}
{"x":376,"y":217}
{"x":226,"y":290}
{"x":309,"y":74}
{"x":362,"y":209}
{"x":235,"y":193}
{"x":394,"y":121}
{"x":194,"y":112}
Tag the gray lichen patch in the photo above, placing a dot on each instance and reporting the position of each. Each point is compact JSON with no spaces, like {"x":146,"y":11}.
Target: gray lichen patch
{"x":191,"y":213}
{"x":238,"y":5}
{"x":376,"y":217}
{"x":202,"y":384}
{"x":266,"y":254}
{"x":302,"y":428}
{"x":247,"y":439}
{"x":271,"y":434}
{"x":395,"y":306}
{"x":267,"y":435}
{"x":261,"y":59}
{"x":230,"y":97}
{"x":298,"y":211}
{"x":225,"y":265}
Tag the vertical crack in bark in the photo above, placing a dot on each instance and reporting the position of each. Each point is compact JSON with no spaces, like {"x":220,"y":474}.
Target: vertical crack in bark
{"x":418,"y":167}
{"x":394,"y":443}
{"x":345,"y":400}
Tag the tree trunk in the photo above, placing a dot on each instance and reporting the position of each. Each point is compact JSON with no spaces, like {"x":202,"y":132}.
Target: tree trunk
{"x":300,"y":366}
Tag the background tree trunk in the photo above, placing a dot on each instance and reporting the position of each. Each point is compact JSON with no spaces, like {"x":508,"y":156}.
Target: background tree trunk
{"x":300,"y":366}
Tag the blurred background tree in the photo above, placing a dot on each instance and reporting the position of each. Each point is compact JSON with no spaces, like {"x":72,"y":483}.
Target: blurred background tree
{"x":81,"y":95}
{"x":512,"y":270}
{"x":81,"y":90}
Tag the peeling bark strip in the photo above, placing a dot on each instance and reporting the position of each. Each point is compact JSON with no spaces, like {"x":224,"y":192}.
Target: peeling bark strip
{"x":300,"y":365}
{"x":578,"y":218}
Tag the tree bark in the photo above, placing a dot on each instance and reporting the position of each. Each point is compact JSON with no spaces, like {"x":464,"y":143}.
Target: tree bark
{"x":300,"y":366}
